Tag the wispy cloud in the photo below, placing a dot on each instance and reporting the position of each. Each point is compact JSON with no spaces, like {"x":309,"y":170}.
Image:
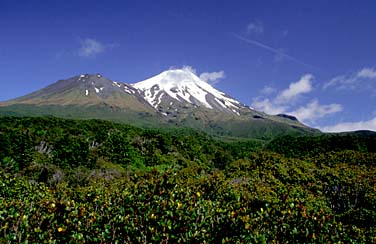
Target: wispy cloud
{"x":351,"y":126}
{"x":272,"y":49}
{"x":255,"y":27}
{"x":363,"y":79}
{"x":187,"y":68}
{"x":369,"y":73}
{"x":277,"y":57}
{"x":212,"y":77}
{"x":91,"y":48}
{"x":268,"y":90}
{"x":285,"y":102}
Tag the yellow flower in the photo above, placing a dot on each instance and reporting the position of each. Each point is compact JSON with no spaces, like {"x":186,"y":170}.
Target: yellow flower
{"x":198,"y":194}
{"x":60,"y":229}
{"x":179,"y":205}
{"x":53,"y":205}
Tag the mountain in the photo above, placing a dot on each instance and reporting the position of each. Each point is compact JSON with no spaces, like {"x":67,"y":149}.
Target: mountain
{"x":182,"y":86}
{"x":85,"y":90}
{"x":173,"y":98}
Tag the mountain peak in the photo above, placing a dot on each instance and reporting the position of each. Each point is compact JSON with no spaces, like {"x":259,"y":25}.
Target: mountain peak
{"x":174,"y":78}
{"x":182,"y":85}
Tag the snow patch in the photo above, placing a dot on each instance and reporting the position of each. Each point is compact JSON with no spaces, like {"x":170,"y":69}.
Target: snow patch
{"x":183,"y":85}
{"x":236,"y":112}
{"x":220,"y":102}
{"x":127,"y":90}
{"x":116,"y":84}
{"x":159,"y":100}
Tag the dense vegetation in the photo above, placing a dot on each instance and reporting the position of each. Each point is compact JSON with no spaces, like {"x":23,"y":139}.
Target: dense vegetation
{"x":94,"y":181}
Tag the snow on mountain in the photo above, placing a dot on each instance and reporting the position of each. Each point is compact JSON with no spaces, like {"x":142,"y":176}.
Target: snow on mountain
{"x":169,"y":93}
{"x":184,"y":86}
{"x":101,"y":85}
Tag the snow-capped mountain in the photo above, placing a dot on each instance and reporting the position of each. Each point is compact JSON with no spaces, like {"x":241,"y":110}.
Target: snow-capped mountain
{"x":172,"y":98}
{"x":183,"y":86}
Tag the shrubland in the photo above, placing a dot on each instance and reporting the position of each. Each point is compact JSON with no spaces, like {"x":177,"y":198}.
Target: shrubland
{"x":74,"y":181}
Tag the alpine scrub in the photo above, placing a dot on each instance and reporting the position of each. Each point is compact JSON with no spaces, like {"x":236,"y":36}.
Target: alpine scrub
{"x":71,"y":181}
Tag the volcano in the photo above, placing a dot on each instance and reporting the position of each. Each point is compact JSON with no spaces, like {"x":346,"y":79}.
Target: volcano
{"x":173,"y":98}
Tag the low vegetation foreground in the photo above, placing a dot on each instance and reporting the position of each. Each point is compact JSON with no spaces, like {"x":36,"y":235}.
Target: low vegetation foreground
{"x":72,"y":181}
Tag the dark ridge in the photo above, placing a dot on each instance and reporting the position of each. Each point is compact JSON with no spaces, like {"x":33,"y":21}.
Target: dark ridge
{"x":258,"y":117}
{"x":286,"y":116}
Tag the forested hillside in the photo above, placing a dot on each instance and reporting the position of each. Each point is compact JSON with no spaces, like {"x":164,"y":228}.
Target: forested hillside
{"x":91,"y":181}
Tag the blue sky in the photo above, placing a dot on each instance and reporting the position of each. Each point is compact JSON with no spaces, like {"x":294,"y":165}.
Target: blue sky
{"x":312,"y":59}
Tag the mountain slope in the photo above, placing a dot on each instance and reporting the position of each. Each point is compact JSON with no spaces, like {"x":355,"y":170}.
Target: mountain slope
{"x":85,"y":90}
{"x":174,"y":98}
{"x":183,"y":86}
{"x":85,"y":96}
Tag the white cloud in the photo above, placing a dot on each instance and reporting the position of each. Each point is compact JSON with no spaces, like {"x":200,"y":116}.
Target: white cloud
{"x":212,"y":77}
{"x":367,"y":73}
{"x":351,"y":126}
{"x":255,"y":27}
{"x":268,"y":90}
{"x":267,"y":106}
{"x":295,"y":89}
{"x":188,"y":68}
{"x":209,"y":77}
{"x":91,"y":48}
{"x":285,"y":100}
{"x":358,"y":80}
{"x":314,"y":111}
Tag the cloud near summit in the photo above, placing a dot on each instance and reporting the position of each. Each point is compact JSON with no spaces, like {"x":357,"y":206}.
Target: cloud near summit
{"x":209,"y":77}
{"x":91,"y":48}
{"x":212,"y":77}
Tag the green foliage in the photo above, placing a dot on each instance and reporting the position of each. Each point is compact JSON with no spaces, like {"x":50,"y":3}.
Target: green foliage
{"x":70,"y":151}
{"x":303,"y":146}
{"x":16,"y":148}
{"x":66,"y":181}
